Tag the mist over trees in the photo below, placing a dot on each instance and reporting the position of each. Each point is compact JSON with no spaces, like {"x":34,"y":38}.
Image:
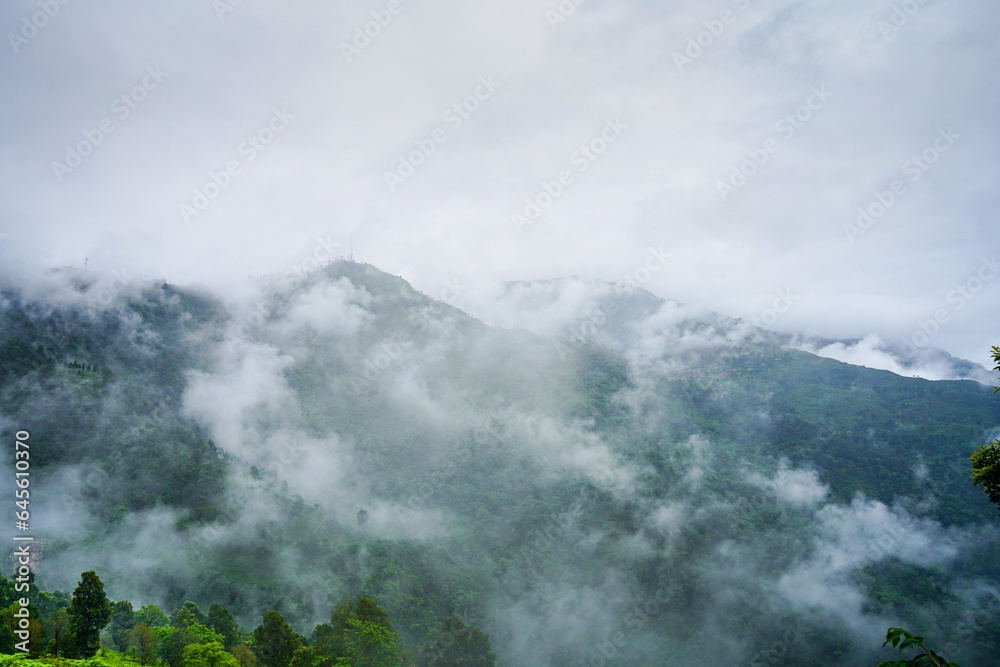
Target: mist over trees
{"x":346,"y":469}
{"x":358,"y":634}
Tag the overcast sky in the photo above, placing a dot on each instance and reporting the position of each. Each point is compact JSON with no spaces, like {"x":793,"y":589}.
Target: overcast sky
{"x":739,"y":137}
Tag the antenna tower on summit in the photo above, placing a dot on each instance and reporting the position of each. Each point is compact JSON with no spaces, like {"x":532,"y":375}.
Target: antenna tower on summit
{"x":350,"y":256}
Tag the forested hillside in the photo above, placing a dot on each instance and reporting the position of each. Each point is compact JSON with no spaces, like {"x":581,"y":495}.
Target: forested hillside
{"x":672,"y":489}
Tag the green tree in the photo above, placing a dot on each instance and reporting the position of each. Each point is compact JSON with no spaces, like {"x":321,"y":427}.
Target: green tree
{"x":51,"y":601}
{"x":358,"y":635}
{"x":901,"y":639}
{"x":188,"y":613}
{"x":152,"y":616}
{"x":371,"y":641}
{"x":204,"y":634}
{"x":7,"y":592}
{"x":368,"y":611}
{"x":172,"y":643}
{"x":305,"y":656}
{"x":7,"y":625}
{"x":122,"y":622}
{"x":222,"y":621}
{"x":330,"y":638}
{"x":245,"y":656}
{"x":212,"y":654}
{"x":143,"y":639}
{"x":373,"y":645}
{"x":11,"y":624}
{"x":457,"y":645}
{"x":59,"y":634}
{"x":274,"y":641}
{"x":89,"y":612}
{"x":986,"y":460}
{"x":183,"y":619}
{"x":36,"y":633}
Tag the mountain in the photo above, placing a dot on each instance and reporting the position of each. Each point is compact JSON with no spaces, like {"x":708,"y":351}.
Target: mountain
{"x":589,"y":473}
{"x":622,"y":318}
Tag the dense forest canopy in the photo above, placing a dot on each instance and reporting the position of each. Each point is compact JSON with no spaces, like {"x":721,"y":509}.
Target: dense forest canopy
{"x":638,"y":485}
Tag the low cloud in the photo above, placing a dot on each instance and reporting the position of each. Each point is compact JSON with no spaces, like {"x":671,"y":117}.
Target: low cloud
{"x":873,"y":352}
{"x":800,"y":487}
{"x":850,"y":537}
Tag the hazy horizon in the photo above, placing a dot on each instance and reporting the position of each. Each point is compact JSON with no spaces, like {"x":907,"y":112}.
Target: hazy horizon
{"x":843,"y":154}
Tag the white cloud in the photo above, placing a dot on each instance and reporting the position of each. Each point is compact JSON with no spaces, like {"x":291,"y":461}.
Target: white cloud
{"x":330,"y":308}
{"x":873,"y":352}
{"x":850,"y":537}
{"x":244,"y":399}
{"x":325,"y":174}
{"x":800,"y":487}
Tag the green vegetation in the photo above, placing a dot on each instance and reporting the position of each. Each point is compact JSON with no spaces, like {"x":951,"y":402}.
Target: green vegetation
{"x":105,"y":659}
{"x":986,"y":460}
{"x":88,"y":613}
{"x":458,"y":645}
{"x":986,"y":473}
{"x":563,"y":499}
{"x":358,"y":635}
{"x":903,"y":640}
